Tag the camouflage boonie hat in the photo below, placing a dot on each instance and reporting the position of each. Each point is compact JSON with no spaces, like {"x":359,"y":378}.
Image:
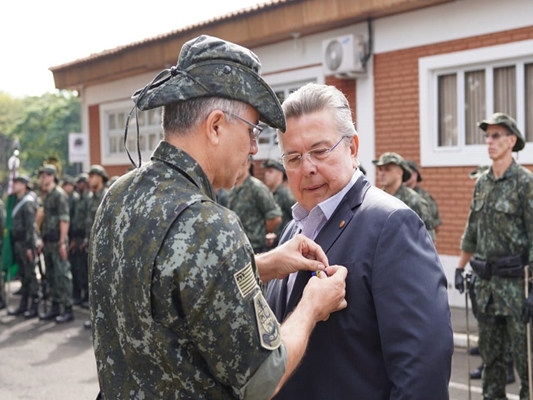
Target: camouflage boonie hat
{"x":24,"y":179}
{"x":394,"y":158}
{"x":271,"y":163}
{"x":99,"y":170}
{"x":509,"y":123}
{"x":208,"y":66}
{"x":414,"y":167}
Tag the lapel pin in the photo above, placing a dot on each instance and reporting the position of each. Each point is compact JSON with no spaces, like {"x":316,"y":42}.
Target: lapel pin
{"x":342,"y":224}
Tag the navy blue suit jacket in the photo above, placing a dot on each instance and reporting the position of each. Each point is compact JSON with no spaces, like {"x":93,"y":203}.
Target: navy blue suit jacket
{"x":394,"y":340}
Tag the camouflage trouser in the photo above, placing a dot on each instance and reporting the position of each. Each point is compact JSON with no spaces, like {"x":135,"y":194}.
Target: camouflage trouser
{"x":495,"y":336}
{"x":2,"y":285}
{"x":78,"y":261}
{"x":58,"y":275}
{"x":28,"y":278}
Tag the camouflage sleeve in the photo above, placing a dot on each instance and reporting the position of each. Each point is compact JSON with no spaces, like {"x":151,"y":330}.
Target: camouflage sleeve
{"x":528,"y":217}
{"x":229,"y":321}
{"x":469,"y":238}
{"x":2,"y":225}
{"x":265,"y":380}
{"x":266,"y":202}
{"x":29,"y":221}
{"x":63,"y":208}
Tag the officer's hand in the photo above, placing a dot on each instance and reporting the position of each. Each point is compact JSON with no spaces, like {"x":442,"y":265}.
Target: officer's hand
{"x":527,"y":308}
{"x":299,"y":253}
{"x":325,"y":294}
{"x":459,"y":280}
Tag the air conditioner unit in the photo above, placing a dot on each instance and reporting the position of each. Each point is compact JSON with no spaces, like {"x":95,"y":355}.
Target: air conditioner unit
{"x":343,"y":56}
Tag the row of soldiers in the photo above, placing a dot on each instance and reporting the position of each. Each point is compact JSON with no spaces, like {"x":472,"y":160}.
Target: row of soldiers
{"x":51,"y":231}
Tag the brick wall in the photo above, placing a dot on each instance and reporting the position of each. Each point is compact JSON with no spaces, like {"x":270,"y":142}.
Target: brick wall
{"x":397,"y":127}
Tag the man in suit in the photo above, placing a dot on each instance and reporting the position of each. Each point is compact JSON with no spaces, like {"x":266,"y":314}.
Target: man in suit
{"x":394,"y":340}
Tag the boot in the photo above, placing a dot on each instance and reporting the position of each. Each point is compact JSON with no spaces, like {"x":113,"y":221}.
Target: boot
{"x":54,"y":312}
{"x":2,"y":303}
{"x":476,"y":373}
{"x":33,"y":311}
{"x":67,"y":316}
{"x":23,"y":306}
{"x":510,"y":373}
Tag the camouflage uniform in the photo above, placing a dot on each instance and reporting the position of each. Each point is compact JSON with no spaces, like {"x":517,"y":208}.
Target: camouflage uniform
{"x":500,"y":224}
{"x":93,"y":202}
{"x":285,"y":201}
{"x":433,"y":208}
{"x":411,"y":198}
{"x":55,"y":204}
{"x":418,"y":205}
{"x":23,"y":239}
{"x":77,"y":255}
{"x":254,"y":203}
{"x":173,"y":283}
{"x":176,"y":306}
{"x":2,"y":226}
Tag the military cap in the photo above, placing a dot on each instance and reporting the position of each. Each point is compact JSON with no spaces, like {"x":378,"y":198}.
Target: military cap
{"x":48,"y":169}
{"x":24,"y":179}
{"x":271,"y":163}
{"x":208,"y":66}
{"x":82,"y":177}
{"x":414,"y":167}
{"x":505,"y":120}
{"x":68,"y":179}
{"x":394,"y":158}
{"x":98,"y":170}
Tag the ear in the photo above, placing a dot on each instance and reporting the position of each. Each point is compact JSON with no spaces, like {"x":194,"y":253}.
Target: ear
{"x":354,"y":148}
{"x":513,"y":139}
{"x":214,"y":126}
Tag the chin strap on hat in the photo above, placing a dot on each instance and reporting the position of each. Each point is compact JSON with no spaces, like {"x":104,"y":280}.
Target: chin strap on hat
{"x":159,"y":80}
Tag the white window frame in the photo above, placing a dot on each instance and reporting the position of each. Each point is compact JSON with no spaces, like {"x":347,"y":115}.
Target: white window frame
{"x":431,"y":155}
{"x":119,"y":158}
{"x":285,"y":81}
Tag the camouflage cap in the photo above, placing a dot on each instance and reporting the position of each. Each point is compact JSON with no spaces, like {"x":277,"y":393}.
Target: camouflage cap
{"x":208,"y":66}
{"x":82,"y":177}
{"x":68,"y":180}
{"x":509,"y":123}
{"x":24,"y":179}
{"x":98,"y":170}
{"x":48,"y":169}
{"x":271,"y":163}
{"x":394,"y":158}
{"x":414,"y":167}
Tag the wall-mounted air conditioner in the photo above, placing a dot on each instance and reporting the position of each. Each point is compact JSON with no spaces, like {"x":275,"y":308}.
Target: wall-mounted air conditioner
{"x":344,"y":56}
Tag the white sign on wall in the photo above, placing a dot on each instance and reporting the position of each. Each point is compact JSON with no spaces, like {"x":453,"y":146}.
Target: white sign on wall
{"x":78,"y":147}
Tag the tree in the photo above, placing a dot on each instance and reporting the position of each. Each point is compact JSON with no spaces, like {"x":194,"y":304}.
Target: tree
{"x":43,"y":128}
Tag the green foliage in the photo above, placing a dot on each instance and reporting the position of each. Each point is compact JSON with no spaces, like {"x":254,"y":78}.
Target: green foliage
{"x":43,"y":128}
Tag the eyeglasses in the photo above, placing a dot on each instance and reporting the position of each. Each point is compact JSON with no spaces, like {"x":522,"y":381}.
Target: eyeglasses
{"x":294,"y":161}
{"x":495,"y":135}
{"x":256,"y":129}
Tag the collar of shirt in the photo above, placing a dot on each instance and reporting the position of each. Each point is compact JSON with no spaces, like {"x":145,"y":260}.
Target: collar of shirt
{"x":310,"y":222}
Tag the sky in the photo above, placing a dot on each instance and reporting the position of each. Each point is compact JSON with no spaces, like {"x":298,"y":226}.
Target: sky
{"x":39,"y":34}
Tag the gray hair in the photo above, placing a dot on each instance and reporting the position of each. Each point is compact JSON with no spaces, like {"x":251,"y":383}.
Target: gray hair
{"x":182,"y":117}
{"x":313,"y":97}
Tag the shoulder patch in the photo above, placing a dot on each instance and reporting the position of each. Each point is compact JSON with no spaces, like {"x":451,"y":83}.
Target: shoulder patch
{"x":245,"y":279}
{"x":268,"y":325}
